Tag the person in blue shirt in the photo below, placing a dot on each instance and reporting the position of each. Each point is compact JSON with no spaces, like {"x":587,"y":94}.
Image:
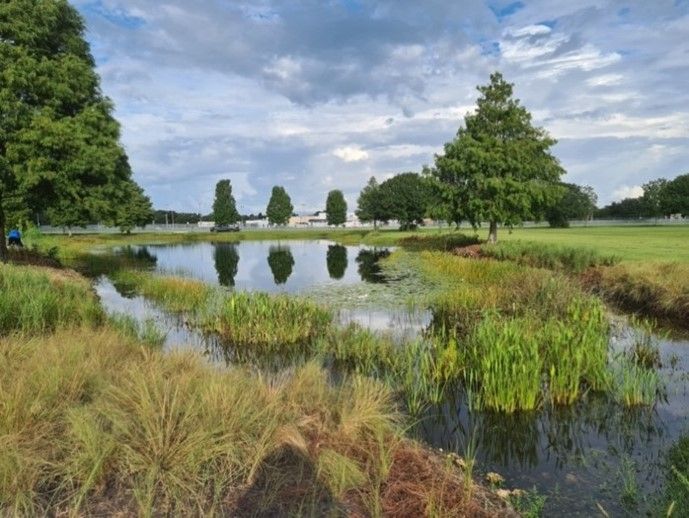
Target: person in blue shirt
{"x":14,"y":238}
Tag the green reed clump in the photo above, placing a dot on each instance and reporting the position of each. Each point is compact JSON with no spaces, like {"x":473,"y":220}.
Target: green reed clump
{"x":146,"y":332}
{"x":36,"y":300}
{"x":504,"y":364}
{"x":634,"y":385}
{"x":274,"y":323}
{"x":173,"y":293}
{"x":553,"y":257}
{"x":420,"y":370}
{"x":644,"y":350}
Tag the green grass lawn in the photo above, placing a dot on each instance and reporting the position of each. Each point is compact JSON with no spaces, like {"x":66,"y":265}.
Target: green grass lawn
{"x":649,"y":243}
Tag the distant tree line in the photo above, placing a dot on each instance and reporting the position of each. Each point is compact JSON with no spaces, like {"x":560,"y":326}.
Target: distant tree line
{"x":660,"y":198}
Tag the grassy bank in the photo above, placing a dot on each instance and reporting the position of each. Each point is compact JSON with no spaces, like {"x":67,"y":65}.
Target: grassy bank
{"x":95,"y":422}
{"x":91,"y":423}
{"x":40,"y":300}
{"x":658,"y":290}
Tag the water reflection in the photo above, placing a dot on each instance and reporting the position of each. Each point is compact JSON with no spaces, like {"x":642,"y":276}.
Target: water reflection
{"x":369,"y":267}
{"x":336,"y":259}
{"x":281,"y":262}
{"x":226,"y":261}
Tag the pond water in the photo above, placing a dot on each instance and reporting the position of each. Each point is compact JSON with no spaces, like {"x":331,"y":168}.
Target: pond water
{"x":268,"y":266}
{"x":580,"y":456}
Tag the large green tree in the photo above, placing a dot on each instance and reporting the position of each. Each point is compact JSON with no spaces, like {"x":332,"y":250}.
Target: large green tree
{"x":369,"y":207}
{"x":404,"y":197}
{"x":279,"y":206}
{"x":336,"y":208}
{"x":133,"y":208}
{"x":224,"y":205}
{"x":499,"y":168}
{"x":59,"y":143}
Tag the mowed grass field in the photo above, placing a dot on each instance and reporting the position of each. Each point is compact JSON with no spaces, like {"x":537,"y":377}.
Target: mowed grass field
{"x":647,"y":243}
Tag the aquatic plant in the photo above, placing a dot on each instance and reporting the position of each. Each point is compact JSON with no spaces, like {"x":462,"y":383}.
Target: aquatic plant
{"x":505,"y":365}
{"x":146,"y":332}
{"x":634,"y":385}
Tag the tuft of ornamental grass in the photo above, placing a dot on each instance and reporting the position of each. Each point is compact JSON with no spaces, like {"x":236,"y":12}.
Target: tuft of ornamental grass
{"x":39,"y":300}
{"x":550,"y":256}
{"x":92,"y":423}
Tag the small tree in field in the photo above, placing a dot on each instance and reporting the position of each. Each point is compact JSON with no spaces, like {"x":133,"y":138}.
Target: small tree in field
{"x":369,"y":207}
{"x":336,"y":208}
{"x":279,"y":207}
{"x":499,"y":168}
{"x":224,"y":206}
{"x":405,"y":198}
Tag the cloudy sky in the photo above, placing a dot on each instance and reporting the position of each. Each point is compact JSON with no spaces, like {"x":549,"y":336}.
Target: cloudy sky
{"x":316,"y":95}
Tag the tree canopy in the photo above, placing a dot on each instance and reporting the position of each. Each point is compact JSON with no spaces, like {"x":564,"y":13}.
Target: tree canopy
{"x":336,"y":208}
{"x":369,"y":206}
{"x":59,"y":143}
{"x":405,"y":198}
{"x":499,"y":168}
{"x":576,"y":202}
{"x":224,"y":205}
{"x":279,"y":207}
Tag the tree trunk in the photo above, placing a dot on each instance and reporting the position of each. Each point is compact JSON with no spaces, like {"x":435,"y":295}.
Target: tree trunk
{"x":4,"y":255}
{"x":493,"y":232}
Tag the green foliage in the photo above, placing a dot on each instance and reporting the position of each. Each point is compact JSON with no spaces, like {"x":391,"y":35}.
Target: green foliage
{"x":499,"y":168}
{"x":280,"y":207}
{"x":133,"y":209}
{"x":224,"y":206}
{"x":675,"y":196}
{"x":59,"y":144}
{"x":336,"y":208}
{"x":404,"y":197}
{"x":653,"y":199}
{"x":576,"y":202}
{"x":369,"y":205}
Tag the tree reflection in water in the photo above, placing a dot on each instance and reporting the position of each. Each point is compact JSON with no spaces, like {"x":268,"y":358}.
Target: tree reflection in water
{"x":281,"y":261}
{"x":336,"y":259}
{"x":369,"y":269}
{"x":226,"y":260}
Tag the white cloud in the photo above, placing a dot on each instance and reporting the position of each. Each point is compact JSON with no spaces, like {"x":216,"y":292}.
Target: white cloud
{"x":626,"y":191}
{"x":350,"y":153}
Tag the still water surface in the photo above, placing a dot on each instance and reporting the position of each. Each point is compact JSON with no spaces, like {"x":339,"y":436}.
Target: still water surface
{"x":580,"y":457}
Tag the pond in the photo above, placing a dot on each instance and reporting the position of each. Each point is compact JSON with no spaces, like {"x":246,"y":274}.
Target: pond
{"x":581,"y":457}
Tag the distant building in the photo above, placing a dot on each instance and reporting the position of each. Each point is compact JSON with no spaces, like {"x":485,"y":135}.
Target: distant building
{"x":318,"y":219}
